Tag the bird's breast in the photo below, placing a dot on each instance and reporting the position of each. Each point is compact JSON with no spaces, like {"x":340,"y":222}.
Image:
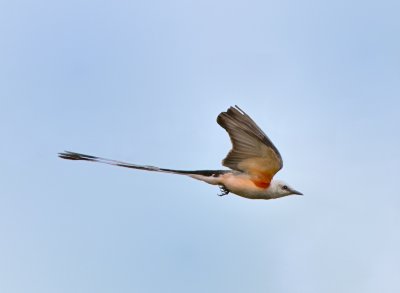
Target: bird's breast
{"x":242,"y":185}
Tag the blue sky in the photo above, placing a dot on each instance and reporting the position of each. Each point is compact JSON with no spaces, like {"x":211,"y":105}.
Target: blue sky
{"x":143,"y":81}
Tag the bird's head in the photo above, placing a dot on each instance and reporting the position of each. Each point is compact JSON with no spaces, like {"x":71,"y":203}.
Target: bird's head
{"x":280,"y":189}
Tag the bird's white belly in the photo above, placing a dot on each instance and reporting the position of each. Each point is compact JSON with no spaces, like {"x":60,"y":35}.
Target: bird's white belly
{"x":241,"y":185}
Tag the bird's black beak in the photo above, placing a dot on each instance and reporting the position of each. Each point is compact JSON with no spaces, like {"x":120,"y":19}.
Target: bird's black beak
{"x":296,"y":192}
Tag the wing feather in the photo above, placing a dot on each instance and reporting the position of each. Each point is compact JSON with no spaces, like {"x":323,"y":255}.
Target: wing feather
{"x":252,"y":151}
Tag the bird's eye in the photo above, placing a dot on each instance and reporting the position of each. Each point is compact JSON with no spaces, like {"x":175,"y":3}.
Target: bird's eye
{"x":284,"y":187}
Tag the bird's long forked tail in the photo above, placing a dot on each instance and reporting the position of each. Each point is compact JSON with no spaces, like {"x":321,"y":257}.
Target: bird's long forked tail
{"x":81,"y":157}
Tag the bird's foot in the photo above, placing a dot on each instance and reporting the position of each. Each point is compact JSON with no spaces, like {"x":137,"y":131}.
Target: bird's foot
{"x":224,"y":191}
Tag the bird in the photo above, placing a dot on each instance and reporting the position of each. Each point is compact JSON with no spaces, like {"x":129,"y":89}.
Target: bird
{"x":253,"y":161}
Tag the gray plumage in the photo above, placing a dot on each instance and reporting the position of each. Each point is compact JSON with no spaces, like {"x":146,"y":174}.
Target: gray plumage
{"x":248,"y":140}
{"x":82,"y":157}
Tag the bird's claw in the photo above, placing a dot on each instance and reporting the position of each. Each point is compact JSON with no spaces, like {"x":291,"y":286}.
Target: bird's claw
{"x":224,"y":191}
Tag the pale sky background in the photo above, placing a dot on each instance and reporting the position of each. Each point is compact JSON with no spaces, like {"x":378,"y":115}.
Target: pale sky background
{"x":144,"y":81}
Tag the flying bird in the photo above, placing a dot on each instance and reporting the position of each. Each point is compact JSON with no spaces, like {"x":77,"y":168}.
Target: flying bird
{"x":253,"y":160}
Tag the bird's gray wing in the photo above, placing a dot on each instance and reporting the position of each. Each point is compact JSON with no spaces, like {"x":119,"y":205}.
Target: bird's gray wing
{"x":252,"y":151}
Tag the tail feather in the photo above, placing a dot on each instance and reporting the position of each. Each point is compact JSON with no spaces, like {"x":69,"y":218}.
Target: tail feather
{"x":81,"y":157}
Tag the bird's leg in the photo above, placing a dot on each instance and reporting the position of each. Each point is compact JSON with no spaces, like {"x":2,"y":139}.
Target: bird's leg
{"x":223,"y":189}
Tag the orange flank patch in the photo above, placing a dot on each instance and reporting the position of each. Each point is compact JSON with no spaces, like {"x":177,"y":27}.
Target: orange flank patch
{"x":261,"y":184}
{"x":261,"y":180}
